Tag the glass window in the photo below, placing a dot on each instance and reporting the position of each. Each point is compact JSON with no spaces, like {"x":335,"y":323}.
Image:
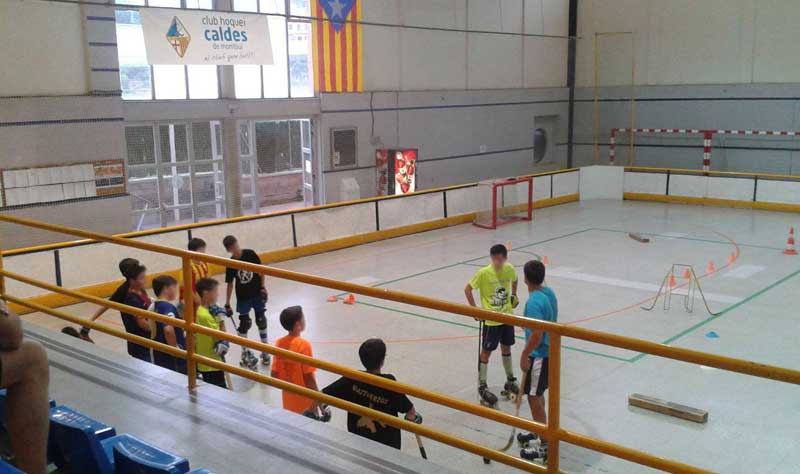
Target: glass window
{"x":170,"y":81}
{"x":140,"y":147}
{"x":138,"y":79}
{"x":300,"y":59}
{"x":276,"y":79}
{"x":245,"y":5}
{"x":134,"y":72}
{"x":300,"y":7}
{"x":247,"y":81}
{"x":203,"y":83}
{"x":165,"y":3}
{"x":272,"y":6}
{"x":200,"y":4}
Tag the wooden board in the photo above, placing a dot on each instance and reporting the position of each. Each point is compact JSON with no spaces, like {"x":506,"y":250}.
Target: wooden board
{"x":668,"y":408}
{"x":639,"y":238}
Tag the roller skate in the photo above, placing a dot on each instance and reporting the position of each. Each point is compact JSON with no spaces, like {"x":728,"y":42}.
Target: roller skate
{"x":510,"y":389}
{"x":487,"y":398}
{"x":526,"y":439}
{"x":534,"y":453}
{"x":249,"y":360}
{"x":266,"y":359}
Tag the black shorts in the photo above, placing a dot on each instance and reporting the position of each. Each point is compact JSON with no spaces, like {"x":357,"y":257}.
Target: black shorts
{"x":214,"y":377}
{"x":536,"y":379}
{"x":494,"y":335}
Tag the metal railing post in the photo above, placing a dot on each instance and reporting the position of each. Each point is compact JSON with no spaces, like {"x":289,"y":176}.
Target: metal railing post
{"x":554,"y":405}
{"x":189,"y":316}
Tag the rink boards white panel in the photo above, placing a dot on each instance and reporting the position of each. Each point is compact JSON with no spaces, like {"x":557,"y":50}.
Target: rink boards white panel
{"x":651,"y":183}
{"x":411,"y":210}
{"x":262,"y":235}
{"x":38,"y":265}
{"x":466,"y":200}
{"x":786,"y":192}
{"x":566,"y":183}
{"x":328,"y":224}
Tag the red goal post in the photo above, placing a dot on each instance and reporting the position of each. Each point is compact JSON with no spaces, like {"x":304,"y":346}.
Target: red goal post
{"x":504,"y":201}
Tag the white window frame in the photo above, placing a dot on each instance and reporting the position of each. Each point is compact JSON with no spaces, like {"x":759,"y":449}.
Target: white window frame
{"x":124,"y":3}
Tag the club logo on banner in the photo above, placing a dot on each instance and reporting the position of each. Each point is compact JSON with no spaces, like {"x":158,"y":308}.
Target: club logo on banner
{"x":178,"y":37}
{"x":197,"y":37}
{"x":337,"y":46}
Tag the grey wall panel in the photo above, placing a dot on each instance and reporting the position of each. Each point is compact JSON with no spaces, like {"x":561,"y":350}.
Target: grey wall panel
{"x":736,"y":107}
{"x":109,"y":216}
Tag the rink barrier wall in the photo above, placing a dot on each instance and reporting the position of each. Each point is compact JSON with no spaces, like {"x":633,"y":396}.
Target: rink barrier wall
{"x":91,"y":266}
{"x":771,"y":192}
{"x":553,"y":431}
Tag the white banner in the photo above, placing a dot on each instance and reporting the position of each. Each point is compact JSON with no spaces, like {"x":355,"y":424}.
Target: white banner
{"x":204,"y":37}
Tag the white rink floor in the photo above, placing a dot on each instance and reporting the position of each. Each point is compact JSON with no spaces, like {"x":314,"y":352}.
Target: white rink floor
{"x":601,"y":277}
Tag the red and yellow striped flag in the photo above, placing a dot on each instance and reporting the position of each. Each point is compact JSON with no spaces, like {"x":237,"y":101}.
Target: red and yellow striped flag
{"x":337,"y":46}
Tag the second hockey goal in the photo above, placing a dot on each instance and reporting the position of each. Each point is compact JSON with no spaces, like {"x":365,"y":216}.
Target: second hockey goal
{"x":504,"y":201}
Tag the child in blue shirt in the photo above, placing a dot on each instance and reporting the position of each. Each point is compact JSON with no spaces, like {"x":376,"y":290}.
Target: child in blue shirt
{"x":166,"y":289}
{"x":542,"y":305}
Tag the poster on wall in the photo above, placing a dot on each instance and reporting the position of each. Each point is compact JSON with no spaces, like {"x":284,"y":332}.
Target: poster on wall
{"x":205,"y":37}
{"x":396,"y":171}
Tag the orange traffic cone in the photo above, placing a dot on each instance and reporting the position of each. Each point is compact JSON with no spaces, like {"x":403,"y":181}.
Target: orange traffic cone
{"x":332,"y":299}
{"x":731,"y":258}
{"x":672,"y":283}
{"x":545,"y":260}
{"x":711,"y":268}
{"x":790,"y":250}
{"x":350,"y":299}
{"x":687,"y":274}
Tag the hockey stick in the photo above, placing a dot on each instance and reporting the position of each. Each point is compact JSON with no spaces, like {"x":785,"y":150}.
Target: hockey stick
{"x":517,"y":405}
{"x":421,"y":447}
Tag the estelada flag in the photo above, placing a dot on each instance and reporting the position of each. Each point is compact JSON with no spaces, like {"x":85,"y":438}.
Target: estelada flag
{"x":337,"y":46}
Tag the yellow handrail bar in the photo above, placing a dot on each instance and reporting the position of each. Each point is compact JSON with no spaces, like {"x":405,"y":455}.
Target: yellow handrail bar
{"x":623,"y":342}
{"x":553,"y":431}
{"x":142,"y":341}
{"x":577,"y":439}
{"x":178,"y":323}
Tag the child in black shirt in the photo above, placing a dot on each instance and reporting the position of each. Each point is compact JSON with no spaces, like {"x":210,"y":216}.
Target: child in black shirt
{"x":373,"y":353}
{"x":251,"y":294}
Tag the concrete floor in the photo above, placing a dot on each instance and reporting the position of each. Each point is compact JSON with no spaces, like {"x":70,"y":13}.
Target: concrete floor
{"x":602,"y":277}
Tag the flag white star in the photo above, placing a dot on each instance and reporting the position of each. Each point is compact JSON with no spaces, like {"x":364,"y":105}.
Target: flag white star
{"x":337,"y":6}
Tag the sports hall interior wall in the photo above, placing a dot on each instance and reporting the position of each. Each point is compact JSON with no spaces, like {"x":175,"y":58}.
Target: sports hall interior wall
{"x":707,"y":65}
{"x":469,"y":102}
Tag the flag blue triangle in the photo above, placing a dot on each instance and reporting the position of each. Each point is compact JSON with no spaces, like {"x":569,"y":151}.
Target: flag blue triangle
{"x":337,"y":10}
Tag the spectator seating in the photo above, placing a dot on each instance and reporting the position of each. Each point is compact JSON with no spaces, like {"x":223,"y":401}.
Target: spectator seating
{"x":134,"y":456}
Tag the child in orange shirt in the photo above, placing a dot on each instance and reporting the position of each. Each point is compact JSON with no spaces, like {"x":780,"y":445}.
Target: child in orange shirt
{"x":294,"y":322}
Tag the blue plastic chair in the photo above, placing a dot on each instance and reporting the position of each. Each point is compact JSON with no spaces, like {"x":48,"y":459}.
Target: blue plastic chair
{"x":80,"y":443}
{"x":134,"y":456}
{"x":6,"y":468}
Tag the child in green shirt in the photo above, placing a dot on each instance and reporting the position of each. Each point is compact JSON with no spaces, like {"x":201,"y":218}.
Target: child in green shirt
{"x":207,"y":346}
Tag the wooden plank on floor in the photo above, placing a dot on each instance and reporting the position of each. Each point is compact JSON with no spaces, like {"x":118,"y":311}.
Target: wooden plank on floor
{"x":668,"y":408}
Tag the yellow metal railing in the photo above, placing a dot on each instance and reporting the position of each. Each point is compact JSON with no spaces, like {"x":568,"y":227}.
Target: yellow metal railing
{"x":553,"y":432}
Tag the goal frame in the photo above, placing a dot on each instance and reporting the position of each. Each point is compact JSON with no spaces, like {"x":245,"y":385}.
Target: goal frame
{"x":498,"y":220}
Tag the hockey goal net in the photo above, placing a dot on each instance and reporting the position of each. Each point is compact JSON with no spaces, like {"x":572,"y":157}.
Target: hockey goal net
{"x":504,"y":201}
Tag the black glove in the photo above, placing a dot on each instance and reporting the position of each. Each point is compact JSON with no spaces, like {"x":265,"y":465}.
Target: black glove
{"x":228,"y":310}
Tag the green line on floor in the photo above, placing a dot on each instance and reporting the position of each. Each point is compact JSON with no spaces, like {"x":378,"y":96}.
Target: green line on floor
{"x":723,"y":312}
{"x":464,"y":262}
